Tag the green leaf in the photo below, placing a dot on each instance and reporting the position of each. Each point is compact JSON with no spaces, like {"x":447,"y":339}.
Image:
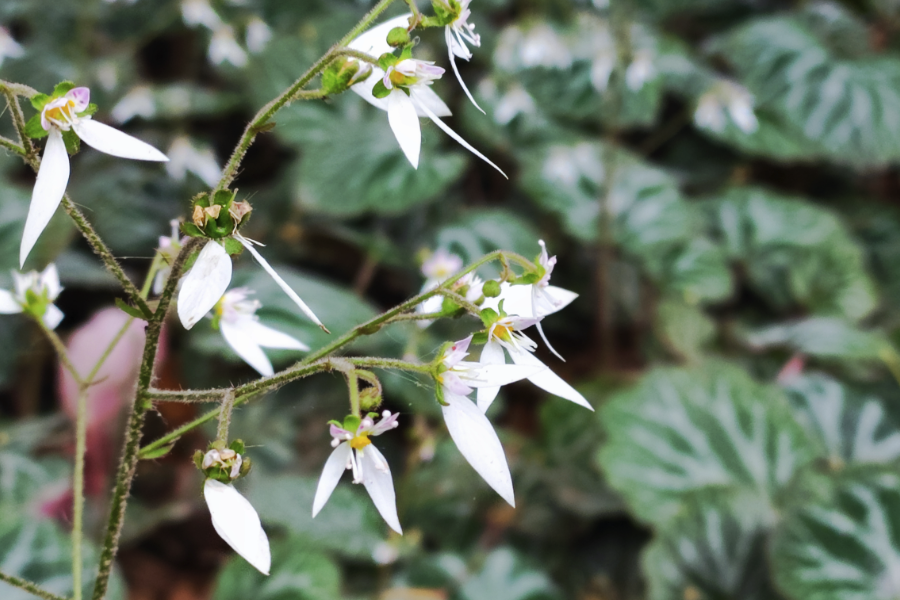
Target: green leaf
{"x":714,"y":550}
{"x":159,"y":452}
{"x":684,"y":328}
{"x":63,"y":88}
{"x":233,"y":247}
{"x":38,"y":101}
{"x":506,"y":576}
{"x":132,"y":311}
{"x":823,"y":337}
{"x":840,"y":542}
{"x":34,"y":129}
{"x":683,"y":430}
{"x":298,"y":573}
{"x":849,"y":428}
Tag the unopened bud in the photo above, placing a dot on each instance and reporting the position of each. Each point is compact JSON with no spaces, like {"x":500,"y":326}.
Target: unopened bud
{"x":491,"y":289}
{"x":369,"y":399}
{"x":397,"y":37}
{"x":343,"y":73}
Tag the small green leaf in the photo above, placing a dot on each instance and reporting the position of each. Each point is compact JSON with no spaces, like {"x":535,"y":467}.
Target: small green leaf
{"x":233,"y":247}
{"x":480,"y":338}
{"x":351,"y":423}
{"x":237,"y":446}
{"x":34,"y":129}
{"x":162,"y":451}
{"x":39,"y":101}
{"x":62,"y":88}
{"x":380,"y":91}
{"x":489,"y":316}
{"x":191,"y":230}
{"x":132,"y":311}
{"x":89,"y":111}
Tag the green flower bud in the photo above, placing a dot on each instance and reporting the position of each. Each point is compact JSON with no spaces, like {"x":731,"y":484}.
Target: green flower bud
{"x":398,"y":36}
{"x":369,"y":399}
{"x":491,"y":289}
{"x":342,"y":73}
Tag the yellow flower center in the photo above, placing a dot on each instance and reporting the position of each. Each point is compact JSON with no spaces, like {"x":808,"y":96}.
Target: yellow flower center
{"x":61,"y":113}
{"x":502,"y":332}
{"x":360,"y":441}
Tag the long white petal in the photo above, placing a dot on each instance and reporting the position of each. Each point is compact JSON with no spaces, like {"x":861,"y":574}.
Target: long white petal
{"x":49,"y":188}
{"x":478,"y":442}
{"x":8,"y":304}
{"x":516,"y":300}
{"x":453,"y":134}
{"x":448,"y":36}
{"x":554,"y":299}
{"x":112,"y":141}
{"x":242,"y":342}
{"x":547,"y":379}
{"x":405,"y":125}
{"x":204,"y":284}
{"x":374,"y":41}
{"x":272,"y":338}
{"x":281,"y":282}
{"x":237,"y":523}
{"x":426,"y":96}
{"x":331,"y":474}
{"x":491,"y":354}
{"x":53,"y":317}
{"x":492,"y":375}
{"x":376,"y":476}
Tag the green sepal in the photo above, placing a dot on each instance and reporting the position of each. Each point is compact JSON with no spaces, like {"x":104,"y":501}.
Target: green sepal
{"x":72,"y":141}
{"x":246,"y":465}
{"x":488,"y":316}
{"x":336,"y":423}
{"x":371,"y":329}
{"x":380,"y":91}
{"x":191,"y":230}
{"x":387,"y":60}
{"x":62,"y":88}
{"x":265,"y":127}
{"x":160,"y":452}
{"x":219,"y":474}
{"x":237,"y":446}
{"x":337,"y":75}
{"x":491,"y":288}
{"x":233,"y":247}
{"x":427,"y":22}
{"x":198,"y":459}
{"x":39,"y":101}
{"x":89,"y":111}
{"x":442,"y":14}
{"x":480,"y":338}
{"x":34,"y":129}
{"x":351,"y":423}
{"x":131,"y":311}
{"x":526,"y":279}
{"x":439,"y":394}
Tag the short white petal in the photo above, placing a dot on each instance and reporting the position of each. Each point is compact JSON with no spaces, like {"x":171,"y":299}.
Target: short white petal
{"x":242,"y":342}
{"x":281,"y":282}
{"x":376,"y":476}
{"x":52,"y":177}
{"x":448,"y":35}
{"x":272,"y":338}
{"x":493,"y":375}
{"x":237,"y":523}
{"x":478,"y":442}
{"x":405,"y":125}
{"x":428,"y":97}
{"x":8,"y":304}
{"x":53,"y":317}
{"x":204,"y":284}
{"x":491,"y":354}
{"x":547,"y":379}
{"x":453,"y":134}
{"x":112,"y":141}
{"x":331,"y":474}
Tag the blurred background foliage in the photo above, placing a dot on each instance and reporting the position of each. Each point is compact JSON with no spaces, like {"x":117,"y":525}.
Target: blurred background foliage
{"x":719,"y":181}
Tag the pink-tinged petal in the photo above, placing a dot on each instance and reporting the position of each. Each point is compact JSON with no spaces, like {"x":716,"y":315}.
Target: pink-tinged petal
{"x":281,"y":282}
{"x":405,"y":124}
{"x":81,"y":96}
{"x":430,"y":114}
{"x":8,"y":304}
{"x":49,"y":188}
{"x":491,"y":354}
{"x":339,"y":432}
{"x":243,"y":344}
{"x":52,"y":317}
{"x":272,"y":338}
{"x":385,"y":424}
{"x":115,"y":143}
{"x":553,"y":299}
{"x":425,"y":96}
{"x":236,"y":522}
{"x":331,"y":474}
{"x":450,"y":46}
{"x":458,"y":351}
{"x":479,"y":376}
{"x":547,"y":379}
{"x":376,"y":476}
{"x":454,"y":385}
{"x":477,"y":441}
{"x":204,"y":284}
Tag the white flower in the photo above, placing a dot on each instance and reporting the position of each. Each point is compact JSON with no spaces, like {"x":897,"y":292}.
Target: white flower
{"x":199,"y":12}
{"x":410,"y":97}
{"x":237,"y":523}
{"x":436,"y":268}
{"x":34,"y":294}
{"x":354,"y":450}
{"x":138,"y":102}
{"x":224,"y":48}
{"x":506,"y":334}
{"x":514,"y":102}
{"x":726,"y":95}
{"x":206,"y":282}
{"x":169,"y":246}
{"x":470,"y":429}
{"x":536,"y":46}
{"x":57,"y":116}
{"x":258,"y":35}
{"x":457,"y":34}
{"x":640,"y":71}
{"x":9,"y":48}
{"x":185,"y":156}
{"x":246,"y":335}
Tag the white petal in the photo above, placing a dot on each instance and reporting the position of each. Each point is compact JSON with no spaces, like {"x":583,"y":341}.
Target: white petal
{"x":449,"y":37}
{"x":237,"y":523}
{"x":281,"y":282}
{"x":272,"y":338}
{"x":242,"y":342}
{"x":553,"y":299}
{"x":204,"y":284}
{"x":405,"y":125}
{"x":331,"y":474}
{"x":50,"y":281}
{"x":53,"y":317}
{"x":374,"y":41}
{"x":112,"y":141}
{"x":478,"y":442}
{"x":516,"y":300}
{"x":493,"y":375}
{"x":426,"y":96}
{"x":376,"y":476}
{"x":491,"y":354}
{"x":8,"y":304}
{"x":428,"y":113}
{"x":49,"y":188}
{"x":547,"y":379}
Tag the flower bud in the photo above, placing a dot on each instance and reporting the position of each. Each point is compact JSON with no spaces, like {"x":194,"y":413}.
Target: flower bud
{"x":342,"y":73}
{"x":239,"y":210}
{"x":397,"y":37}
{"x":369,"y":399}
{"x":491,"y":289}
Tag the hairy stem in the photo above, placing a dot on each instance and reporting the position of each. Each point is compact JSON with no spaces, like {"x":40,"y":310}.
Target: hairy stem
{"x":61,"y":351}
{"x":11,"y":145}
{"x":353,"y":388}
{"x":78,"y":490}
{"x":31,"y":588}
{"x":225,"y":416}
{"x":368,"y":58}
